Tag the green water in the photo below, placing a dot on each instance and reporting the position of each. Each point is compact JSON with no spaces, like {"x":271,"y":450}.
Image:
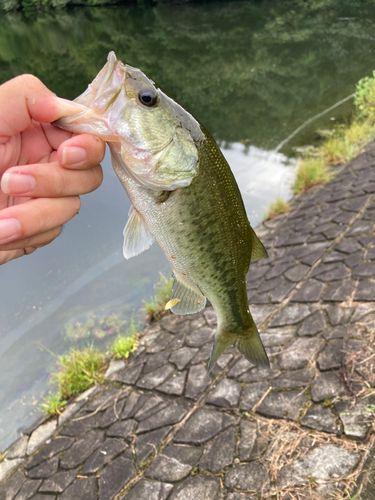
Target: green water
{"x":251,"y":72}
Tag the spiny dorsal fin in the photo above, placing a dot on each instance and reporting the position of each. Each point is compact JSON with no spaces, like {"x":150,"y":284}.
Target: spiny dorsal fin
{"x":190,"y":302}
{"x":136,"y":236}
{"x":257,"y":248}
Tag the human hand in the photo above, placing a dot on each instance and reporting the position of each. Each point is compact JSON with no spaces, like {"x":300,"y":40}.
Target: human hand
{"x":43,"y":170}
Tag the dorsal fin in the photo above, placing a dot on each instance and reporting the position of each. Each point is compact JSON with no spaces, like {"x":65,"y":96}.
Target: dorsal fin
{"x":190,"y":302}
{"x":257,"y":248}
{"x":136,"y":236}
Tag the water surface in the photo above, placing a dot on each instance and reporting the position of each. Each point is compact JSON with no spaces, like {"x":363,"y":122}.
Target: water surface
{"x":250,"y":72}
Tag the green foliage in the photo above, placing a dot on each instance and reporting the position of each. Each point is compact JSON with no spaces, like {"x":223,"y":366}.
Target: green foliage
{"x":79,"y":370}
{"x":364,"y":97}
{"x":53,"y":404}
{"x":125,"y":344}
{"x":311,"y":171}
{"x":155,"y":306}
{"x":2,"y":456}
{"x":276,"y":208}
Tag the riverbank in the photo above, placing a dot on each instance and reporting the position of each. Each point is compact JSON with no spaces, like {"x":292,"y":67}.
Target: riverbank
{"x":162,"y":428}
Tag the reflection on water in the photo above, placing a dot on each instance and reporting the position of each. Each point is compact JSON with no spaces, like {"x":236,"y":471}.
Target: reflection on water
{"x":251,"y":72}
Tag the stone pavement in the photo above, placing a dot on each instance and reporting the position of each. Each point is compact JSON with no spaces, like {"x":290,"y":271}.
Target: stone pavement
{"x":162,"y":428}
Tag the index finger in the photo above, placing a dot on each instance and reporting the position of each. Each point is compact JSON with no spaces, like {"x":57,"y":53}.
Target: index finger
{"x":26,"y":98}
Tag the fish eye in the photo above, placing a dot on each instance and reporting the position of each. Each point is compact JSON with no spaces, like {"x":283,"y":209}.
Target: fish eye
{"x":148,"y":97}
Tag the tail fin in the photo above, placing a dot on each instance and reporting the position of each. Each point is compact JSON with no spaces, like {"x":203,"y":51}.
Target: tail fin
{"x":248,"y":343}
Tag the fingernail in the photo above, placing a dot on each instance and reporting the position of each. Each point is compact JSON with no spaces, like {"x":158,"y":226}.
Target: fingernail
{"x":72,"y":155}
{"x":66,"y":108}
{"x":17,"y":183}
{"x":8,"y":229}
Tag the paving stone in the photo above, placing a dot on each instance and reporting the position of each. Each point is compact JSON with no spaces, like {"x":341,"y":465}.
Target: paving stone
{"x":182,"y":357}
{"x":356,"y":416}
{"x":104,"y":454}
{"x":81,"y":449}
{"x":222,"y":362}
{"x":200,"y":337}
{"x":175,"y":385}
{"x":69,"y":411}
{"x":203,"y":354}
{"x":149,"y":490}
{"x":146,"y":444}
{"x":114,"y":477}
{"x":339,"y":315}
{"x":179,"y":339}
{"x":40,"y":436}
{"x":348,"y":245}
{"x":252,"y":443}
{"x":106,"y":399}
{"x":17,"y":449}
{"x":115,"y":366}
{"x":155,"y":361}
{"x":167,"y":416}
{"x":202,"y":487}
{"x":152,"y":405}
{"x":58,"y":482}
{"x":331,"y":357}
{"x":174,"y":463}
{"x":257,"y":374}
{"x":328,"y":386}
{"x":242,"y":366}
{"x":310,"y":291}
{"x":44,"y":497}
{"x":365,"y":291}
{"x":325,"y":462}
{"x":296,"y":273}
{"x":252,"y":394}
{"x":294,"y":379}
{"x":248,"y":477}
{"x":340,"y":291}
{"x":361,"y":227}
{"x":276,"y":270}
{"x":333,"y":257}
{"x":28,"y":489}
{"x":367,"y":241}
{"x":198,"y":380}
{"x":202,"y":426}
{"x":56,"y":446}
{"x":75,"y":428}
{"x":130,"y":375}
{"x":260,"y":313}
{"x":279,"y":294}
{"x":133,"y":404}
{"x":366,"y":270}
{"x":278,"y":336}
{"x":286,"y":404}
{"x":320,"y":418}
{"x":219,"y":452}
{"x":291,"y":315}
{"x":161,"y":343}
{"x":270,"y":285}
{"x":83,"y":489}
{"x":155,"y":378}
{"x":304,"y":250}
{"x":10,"y":488}
{"x":123,"y":429}
{"x":313,"y":324}
{"x":226,"y":394}
{"x":259,"y":299}
{"x":111,"y":414}
{"x":238,"y":496}
{"x":340,"y":272}
{"x":354,"y":259}
{"x":300,"y":353}
{"x":45,"y":469}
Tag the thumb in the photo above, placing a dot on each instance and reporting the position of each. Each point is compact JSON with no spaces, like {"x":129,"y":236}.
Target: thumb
{"x":26,"y":98}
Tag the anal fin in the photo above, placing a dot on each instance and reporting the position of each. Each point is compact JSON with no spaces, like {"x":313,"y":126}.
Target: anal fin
{"x":136,"y":236}
{"x":190,"y":302}
{"x":257,"y":248}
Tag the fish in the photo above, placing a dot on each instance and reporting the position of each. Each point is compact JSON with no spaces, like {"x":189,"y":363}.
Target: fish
{"x":183,"y":195}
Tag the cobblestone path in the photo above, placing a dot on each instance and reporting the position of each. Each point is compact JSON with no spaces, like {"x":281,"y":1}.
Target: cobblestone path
{"x":163,"y":429}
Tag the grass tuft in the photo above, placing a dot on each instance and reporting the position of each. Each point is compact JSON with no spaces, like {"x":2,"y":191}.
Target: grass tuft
{"x":79,"y":370}
{"x":276,"y":208}
{"x":155,"y":306}
{"x":53,"y":405}
{"x":125,"y":344}
{"x":312,"y":171}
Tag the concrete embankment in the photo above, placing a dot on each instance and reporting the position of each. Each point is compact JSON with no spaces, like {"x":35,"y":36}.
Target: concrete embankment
{"x":162,"y":428}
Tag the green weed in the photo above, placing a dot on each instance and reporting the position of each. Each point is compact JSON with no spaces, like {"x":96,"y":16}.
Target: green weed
{"x":125,"y":344}
{"x":53,"y":404}
{"x":311,"y":171}
{"x":156,"y":304}
{"x":276,"y":208}
{"x":79,"y":370}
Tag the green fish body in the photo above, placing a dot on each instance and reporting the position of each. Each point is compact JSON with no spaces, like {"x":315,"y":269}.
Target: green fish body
{"x":184,"y":196}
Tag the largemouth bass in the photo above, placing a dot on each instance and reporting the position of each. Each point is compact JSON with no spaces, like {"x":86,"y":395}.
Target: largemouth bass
{"x":183,"y":196}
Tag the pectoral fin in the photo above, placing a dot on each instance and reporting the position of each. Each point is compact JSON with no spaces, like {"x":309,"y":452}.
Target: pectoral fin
{"x":257,"y":248}
{"x":136,"y":236}
{"x":190,"y":302}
